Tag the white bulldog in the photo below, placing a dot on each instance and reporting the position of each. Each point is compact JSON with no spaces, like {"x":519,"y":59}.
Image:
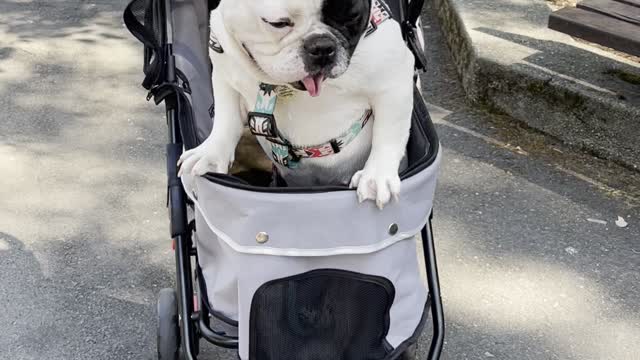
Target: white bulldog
{"x":327,"y":85}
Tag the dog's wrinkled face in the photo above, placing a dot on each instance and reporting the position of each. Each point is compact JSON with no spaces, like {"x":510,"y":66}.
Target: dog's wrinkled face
{"x":300,"y":42}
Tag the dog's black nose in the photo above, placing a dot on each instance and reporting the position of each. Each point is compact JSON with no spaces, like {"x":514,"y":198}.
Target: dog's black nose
{"x":321,"y":48}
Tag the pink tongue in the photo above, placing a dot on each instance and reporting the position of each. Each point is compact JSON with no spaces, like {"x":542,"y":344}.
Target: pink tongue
{"x":313,"y":84}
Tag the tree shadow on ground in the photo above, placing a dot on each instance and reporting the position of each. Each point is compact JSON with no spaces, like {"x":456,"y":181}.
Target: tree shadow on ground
{"x":83,"y":189}
{"x":55,"y":19}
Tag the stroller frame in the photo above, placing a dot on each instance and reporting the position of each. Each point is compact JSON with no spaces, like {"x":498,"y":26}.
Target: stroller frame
{"x":184,"y":312}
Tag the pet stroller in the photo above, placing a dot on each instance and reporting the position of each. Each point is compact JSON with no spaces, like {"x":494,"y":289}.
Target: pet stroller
{"x":283,"y":272}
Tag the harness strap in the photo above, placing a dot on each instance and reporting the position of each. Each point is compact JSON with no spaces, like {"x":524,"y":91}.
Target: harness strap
{"x":262,"y":123}
{"x":380,"y":12}
{"x":336,"y":145}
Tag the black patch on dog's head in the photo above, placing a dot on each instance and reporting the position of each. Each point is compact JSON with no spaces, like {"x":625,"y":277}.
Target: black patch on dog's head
{"x":349,"y":18}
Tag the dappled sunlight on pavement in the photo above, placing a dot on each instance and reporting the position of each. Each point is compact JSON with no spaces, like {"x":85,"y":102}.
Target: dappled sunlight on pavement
{"x":83,"y":224}
{"x":84,"y":229}
{"x":519,"y":263}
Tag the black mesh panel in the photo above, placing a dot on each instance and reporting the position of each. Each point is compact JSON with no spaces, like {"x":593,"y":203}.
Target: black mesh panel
{"x":321,"y":315}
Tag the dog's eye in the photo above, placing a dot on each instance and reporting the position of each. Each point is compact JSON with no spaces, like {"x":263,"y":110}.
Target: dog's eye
{"x":280,"y":24}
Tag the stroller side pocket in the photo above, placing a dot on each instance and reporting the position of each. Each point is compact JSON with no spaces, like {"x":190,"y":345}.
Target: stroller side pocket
{"x":320,"y":314}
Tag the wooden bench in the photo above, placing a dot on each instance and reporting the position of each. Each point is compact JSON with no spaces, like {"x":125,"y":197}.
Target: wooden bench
{"x":611,"y":23}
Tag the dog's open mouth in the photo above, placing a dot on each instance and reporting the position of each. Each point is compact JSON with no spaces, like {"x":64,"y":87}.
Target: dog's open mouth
{"x":311,"y":83}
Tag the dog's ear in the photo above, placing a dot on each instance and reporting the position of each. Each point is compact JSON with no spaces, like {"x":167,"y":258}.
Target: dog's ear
{"x":349,"y":17}
{"x":213,"y":4}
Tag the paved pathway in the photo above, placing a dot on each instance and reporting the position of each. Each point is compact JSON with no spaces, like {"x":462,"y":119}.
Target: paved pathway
{"x":83,"y":228}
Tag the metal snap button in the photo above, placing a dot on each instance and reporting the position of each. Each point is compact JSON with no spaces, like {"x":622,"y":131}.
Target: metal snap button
{"x":393,"y":229}
{"x":262,"y":237}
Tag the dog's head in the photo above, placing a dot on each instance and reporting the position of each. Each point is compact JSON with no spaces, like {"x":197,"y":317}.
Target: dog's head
{"x":299,"y":42}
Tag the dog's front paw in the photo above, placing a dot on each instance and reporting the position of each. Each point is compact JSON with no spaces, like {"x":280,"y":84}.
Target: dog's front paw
{"x":376,"y":184}
{"x":204,"y":159}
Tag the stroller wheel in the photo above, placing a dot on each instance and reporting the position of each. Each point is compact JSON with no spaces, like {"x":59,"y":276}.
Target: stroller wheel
{"x":168,"y":328}
{"x":411,"y":353}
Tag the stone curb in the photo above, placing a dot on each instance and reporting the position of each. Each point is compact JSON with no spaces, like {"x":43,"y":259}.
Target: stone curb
{"x":602,"y":123}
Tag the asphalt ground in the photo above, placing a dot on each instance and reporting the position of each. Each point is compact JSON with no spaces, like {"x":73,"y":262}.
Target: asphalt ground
{"x":84,"y":245}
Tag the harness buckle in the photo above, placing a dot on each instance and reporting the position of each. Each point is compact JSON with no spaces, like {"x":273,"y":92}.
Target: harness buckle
{"x":284,"y":155}
{"x":261,"y":124}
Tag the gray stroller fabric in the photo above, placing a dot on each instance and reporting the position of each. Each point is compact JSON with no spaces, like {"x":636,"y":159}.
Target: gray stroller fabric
{"x":190,"y":47}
